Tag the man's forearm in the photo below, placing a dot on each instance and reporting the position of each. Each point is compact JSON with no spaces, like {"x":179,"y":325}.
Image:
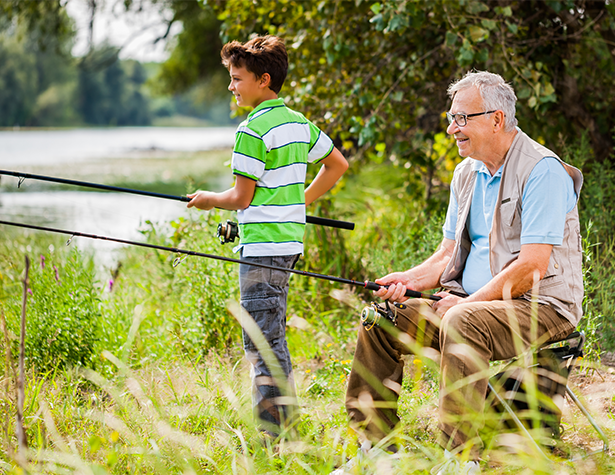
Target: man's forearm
{"x":427,"y":274}
{"x":518,"y":277}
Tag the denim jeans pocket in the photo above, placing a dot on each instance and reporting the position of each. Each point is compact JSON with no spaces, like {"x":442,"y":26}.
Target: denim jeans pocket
{"x":268,"y":314}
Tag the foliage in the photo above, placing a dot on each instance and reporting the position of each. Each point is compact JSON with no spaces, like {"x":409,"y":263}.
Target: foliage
{"x":35,"y":85}
{"x":596,"y":203}
{"x":44,"y":22}
{"x":175,"y":308}
{"x":597,"y":213}
{"x":110,"y":92}
{"x":375,"y":74}
{"x":64,"y":321}
{"x":41,"y":84}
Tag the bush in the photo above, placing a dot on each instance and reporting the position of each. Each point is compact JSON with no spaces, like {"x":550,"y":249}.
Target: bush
{"x":63,"y":317}
{"x":182,"y":308}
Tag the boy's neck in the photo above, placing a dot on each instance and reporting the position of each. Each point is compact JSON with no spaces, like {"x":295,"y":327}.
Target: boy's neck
{"x":268,"y":96}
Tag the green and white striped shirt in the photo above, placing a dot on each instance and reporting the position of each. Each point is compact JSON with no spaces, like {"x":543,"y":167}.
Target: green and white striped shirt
{"x":273,"y":147}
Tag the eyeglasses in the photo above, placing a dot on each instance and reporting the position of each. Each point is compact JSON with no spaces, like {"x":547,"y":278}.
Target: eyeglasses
{"x":462,"y":119}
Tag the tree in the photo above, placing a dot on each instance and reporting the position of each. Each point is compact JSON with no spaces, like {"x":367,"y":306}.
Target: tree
{"x":35,"y":40}
{"x":374,"y":74}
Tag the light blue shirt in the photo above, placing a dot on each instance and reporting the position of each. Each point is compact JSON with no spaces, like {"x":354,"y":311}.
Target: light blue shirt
{"x":547,"y":198}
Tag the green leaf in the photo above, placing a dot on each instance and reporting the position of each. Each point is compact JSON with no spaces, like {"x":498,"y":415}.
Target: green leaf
{"x":376,"y":8}
{"x":489,"y":24}
{"x":548,"y":89}
{"x":378,"y":21}
{"x":466,"y":53}
{"x":476,"y":7}
{"x":477,"y":33}
{"x":397,"y":22}
{"x":397,"y":96}
{"x":483,"y":55}
{"x":450,"y":38}
{"x":507,"y":11}
{"x":524,"y":92}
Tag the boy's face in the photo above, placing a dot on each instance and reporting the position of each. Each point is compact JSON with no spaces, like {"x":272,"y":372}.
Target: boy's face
{"x":249,"y":91}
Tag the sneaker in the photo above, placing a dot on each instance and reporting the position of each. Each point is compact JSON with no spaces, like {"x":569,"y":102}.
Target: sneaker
{"x":452,"y":465}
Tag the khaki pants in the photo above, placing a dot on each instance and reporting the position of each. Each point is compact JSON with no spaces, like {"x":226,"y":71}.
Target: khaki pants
{"x":467,"y":338}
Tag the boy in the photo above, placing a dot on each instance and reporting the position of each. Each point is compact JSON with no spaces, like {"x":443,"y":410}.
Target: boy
{"x":272,"y":149}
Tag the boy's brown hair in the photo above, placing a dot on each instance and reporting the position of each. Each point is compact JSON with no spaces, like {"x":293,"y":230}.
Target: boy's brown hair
{"x":260,"y":55}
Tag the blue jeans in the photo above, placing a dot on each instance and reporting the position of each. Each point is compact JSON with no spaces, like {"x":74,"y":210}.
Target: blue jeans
{"x":264,"y":295}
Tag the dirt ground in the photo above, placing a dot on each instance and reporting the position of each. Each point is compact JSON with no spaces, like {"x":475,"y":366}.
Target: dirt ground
{"x":595,"y":387}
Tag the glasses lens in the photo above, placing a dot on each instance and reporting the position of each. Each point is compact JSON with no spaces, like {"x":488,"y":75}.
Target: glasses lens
{"x":460,"y":119}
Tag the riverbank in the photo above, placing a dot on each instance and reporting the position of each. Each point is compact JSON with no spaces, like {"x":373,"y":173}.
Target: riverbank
{"x":165,"y":172}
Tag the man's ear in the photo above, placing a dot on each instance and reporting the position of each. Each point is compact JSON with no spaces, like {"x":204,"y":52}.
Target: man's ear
{"x":498,"y":120}
{"x":265,"y":80}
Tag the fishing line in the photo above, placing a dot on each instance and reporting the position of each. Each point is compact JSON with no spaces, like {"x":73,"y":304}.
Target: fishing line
{"x":334,"y":223}
{"x":73,"y":234}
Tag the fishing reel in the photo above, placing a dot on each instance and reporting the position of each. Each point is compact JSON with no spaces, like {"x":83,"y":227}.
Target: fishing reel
{"x":372,"y":315}
{"x":227,"y":232}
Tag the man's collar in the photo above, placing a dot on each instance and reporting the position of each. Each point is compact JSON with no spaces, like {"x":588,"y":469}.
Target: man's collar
{"x":480,"y":167}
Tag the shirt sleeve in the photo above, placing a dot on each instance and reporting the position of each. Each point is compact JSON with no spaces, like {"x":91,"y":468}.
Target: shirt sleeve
{"x":547,"y":197}
{"x":451,"y":217}
{"x":320,"y":144}
{"x":249,"y":154}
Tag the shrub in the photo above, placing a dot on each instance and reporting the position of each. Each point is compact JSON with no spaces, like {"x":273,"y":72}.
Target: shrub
{"x":63,"y":317}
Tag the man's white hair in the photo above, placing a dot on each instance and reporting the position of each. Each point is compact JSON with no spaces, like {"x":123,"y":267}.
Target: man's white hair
{"x":496,"y":94}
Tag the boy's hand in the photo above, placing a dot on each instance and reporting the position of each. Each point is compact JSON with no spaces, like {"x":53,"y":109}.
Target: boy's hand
{"x":201,"y":200}
{"x":238,"y":197}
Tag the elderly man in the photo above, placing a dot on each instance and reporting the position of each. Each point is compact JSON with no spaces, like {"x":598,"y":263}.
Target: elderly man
{"x":511,"y":232}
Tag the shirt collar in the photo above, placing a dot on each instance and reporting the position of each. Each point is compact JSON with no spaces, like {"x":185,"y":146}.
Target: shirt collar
{"x":267,"y":104}
{"x":480,"y":167}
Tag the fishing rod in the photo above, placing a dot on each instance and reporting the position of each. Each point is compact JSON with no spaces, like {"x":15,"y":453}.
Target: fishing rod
{"x":367,"y":285}
{"x":333,"y":223}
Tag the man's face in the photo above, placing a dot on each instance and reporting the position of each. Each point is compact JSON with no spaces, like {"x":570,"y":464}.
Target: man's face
{"x":475,"y":138}
{"x":245,"y":87}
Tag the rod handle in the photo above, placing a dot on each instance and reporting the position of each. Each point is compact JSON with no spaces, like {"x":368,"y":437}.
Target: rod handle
{"x":332,"y":223}
{"x":409,"y":293}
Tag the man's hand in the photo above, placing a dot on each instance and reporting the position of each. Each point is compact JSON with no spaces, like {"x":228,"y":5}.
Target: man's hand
{"x":448,"y":301}
{"x":201,"y":200}
{"x":423,"y":277}
{"x":398,"y":283}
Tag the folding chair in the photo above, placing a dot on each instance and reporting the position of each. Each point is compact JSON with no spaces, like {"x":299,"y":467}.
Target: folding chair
{"x":534,"y":403}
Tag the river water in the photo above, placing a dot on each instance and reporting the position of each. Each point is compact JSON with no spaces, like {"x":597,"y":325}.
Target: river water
{"x":43,"y":147}
{"x":105,"y":214}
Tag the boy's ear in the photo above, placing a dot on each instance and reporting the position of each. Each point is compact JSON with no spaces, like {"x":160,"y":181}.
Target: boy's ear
{"x":265,"y":80}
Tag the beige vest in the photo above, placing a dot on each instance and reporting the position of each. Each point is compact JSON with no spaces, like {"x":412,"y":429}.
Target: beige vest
{"x":562,"y":285}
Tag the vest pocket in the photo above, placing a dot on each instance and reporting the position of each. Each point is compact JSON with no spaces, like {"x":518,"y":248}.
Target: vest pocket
{"x":510,"y":220}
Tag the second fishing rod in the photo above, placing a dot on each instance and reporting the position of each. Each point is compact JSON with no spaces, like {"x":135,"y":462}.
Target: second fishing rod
{"x":334,"y":223}
{"x":357,"y":283}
